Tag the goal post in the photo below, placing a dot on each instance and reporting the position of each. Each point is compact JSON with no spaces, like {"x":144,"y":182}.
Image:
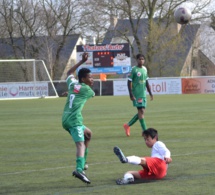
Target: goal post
{"x":25,"y":79}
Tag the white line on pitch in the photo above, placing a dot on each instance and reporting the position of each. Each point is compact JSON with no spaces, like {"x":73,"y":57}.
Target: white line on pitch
{"x":99,"y":163}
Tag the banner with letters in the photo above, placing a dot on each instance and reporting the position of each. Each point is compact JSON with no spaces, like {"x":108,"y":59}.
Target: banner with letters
{"x":22,"y":90}
{"x":165,"y":86}
{"x":198,"y":85}
{"x":106,"y":58}
{"x":159,"y":86}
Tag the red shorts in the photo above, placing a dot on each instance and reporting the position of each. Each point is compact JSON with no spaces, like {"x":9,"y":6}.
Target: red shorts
{"x":157,"y":169}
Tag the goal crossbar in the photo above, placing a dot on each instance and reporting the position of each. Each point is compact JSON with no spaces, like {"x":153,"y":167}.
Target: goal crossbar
{"x":25,"y":79}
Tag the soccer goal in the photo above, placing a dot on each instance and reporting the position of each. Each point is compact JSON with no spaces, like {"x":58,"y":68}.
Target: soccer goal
{"x":25,"y":79}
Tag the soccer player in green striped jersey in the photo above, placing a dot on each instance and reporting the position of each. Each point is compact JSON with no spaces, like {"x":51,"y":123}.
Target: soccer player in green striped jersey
{"x":79,"y":91}
{"x":137,"y":85}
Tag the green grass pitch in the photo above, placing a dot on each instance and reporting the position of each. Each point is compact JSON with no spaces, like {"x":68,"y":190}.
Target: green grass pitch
{"x":37,"y":156}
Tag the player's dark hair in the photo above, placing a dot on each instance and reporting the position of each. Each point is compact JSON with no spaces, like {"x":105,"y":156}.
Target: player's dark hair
{"x":153,"y":133}
{"x":82,"y":73}
{"x":139,"y":56}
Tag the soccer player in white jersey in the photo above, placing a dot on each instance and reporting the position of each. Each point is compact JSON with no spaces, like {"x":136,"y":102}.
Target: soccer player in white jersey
{"x":154,"y":167}
{"x":137,"y":85}
{"x":79,"y":91}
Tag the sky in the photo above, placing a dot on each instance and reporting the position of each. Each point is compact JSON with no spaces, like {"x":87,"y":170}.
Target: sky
{"x":209,"y":7}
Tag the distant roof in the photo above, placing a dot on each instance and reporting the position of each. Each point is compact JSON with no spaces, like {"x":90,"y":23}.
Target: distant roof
{"x":41,"y":48}
{"x":41,"y":42}
{"x":189,"y":33}
{"x":176,"y":61}
{"x":208,"y":41}
{"x":124,"y":26}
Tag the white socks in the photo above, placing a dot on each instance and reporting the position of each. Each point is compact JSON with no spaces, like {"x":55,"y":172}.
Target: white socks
{"x":135,"y":160}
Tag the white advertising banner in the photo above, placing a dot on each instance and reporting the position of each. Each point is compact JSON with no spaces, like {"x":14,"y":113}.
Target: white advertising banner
{"x":120,"y":88}
{"x":158,"y":86}
{"x":20,"y":90}
{"x":165,"y":86}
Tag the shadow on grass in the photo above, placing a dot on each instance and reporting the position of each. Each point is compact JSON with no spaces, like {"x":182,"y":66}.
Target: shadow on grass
{"x":142,"y":181}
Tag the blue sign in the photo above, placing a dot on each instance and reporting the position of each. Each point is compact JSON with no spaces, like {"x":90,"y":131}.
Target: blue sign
{"x":108,"y":59}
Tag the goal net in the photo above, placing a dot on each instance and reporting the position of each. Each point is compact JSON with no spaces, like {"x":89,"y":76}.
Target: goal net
{"x":25,"y":79}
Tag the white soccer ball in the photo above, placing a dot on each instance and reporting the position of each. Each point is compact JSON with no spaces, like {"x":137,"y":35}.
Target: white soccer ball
{"x":182,"y":15}
{"x":86,"y":166}
{"x":128,"y":178}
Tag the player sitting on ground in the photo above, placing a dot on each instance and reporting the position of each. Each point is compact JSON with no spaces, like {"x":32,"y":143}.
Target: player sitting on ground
{"x":154,"y":167}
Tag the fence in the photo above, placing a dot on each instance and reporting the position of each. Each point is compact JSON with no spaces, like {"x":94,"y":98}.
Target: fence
{"x":159,"y":86}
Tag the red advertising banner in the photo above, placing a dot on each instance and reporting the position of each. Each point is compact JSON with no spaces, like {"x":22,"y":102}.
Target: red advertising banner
{"x":198,"y":85}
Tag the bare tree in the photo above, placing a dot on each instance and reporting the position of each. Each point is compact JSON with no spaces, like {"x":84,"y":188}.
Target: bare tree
{"x":62,"y":18}
{"x":23,"y":22}
{"x":97,"y":18}
{"x":213,"y":21}
{"x":159,"y":15}
{"x":20,"y":19}
{"x":57,"y":19}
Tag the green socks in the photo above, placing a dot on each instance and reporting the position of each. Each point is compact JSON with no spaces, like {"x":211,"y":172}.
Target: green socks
{"x":85,"y":154}
{"x":80,"y":162}
{"x":133,"y":120}
{"x":143,"y":124}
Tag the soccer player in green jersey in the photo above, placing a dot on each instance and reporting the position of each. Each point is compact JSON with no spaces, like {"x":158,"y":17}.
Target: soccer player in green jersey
{"x":137,"y":85}
{"x":79,"y":91}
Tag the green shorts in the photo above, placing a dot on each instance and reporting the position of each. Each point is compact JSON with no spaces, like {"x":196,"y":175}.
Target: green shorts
{"x":140,"y":102}
{"x":77,"y":133}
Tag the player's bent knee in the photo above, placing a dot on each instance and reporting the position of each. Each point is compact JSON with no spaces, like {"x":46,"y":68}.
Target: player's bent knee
{"x":87,"y":136}
{"x":143,"y":161}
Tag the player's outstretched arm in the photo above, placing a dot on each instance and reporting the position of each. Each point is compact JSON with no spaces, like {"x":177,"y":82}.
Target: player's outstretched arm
{"x":73,"y":68}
